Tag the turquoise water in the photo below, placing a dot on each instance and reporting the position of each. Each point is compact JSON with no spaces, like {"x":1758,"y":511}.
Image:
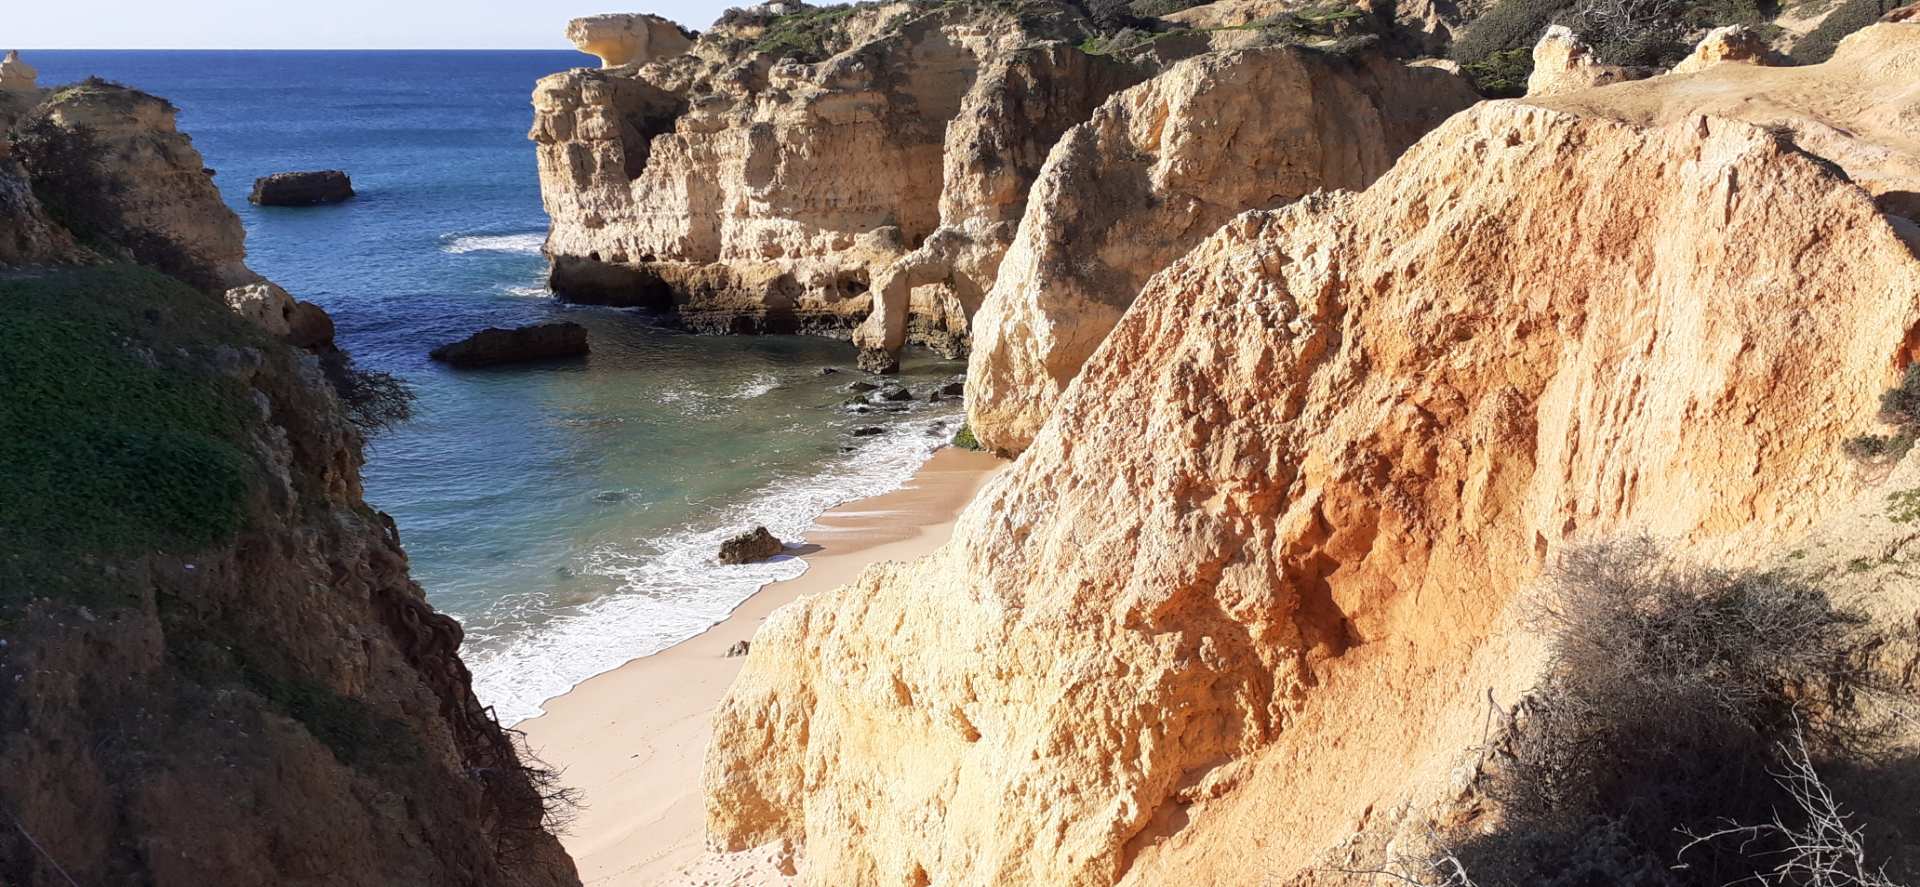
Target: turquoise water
{"x":565,"y":513}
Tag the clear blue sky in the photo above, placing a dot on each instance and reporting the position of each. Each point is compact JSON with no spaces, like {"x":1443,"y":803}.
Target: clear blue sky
{"x":318,"y":24}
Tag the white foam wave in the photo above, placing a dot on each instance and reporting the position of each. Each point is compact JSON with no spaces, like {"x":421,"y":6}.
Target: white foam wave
{"x":529,"y":292}
{"x":525,"y":244}
{"x":671,"y":589}
{"x":761,"y":384}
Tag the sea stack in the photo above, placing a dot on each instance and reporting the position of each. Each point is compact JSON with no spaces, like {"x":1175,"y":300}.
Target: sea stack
{"x":302,"y":188}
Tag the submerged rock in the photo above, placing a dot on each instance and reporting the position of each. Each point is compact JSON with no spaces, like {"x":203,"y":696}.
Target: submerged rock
{"x":302,"y":188}
{"x":493,"y":345}
{"x":755,"y":545}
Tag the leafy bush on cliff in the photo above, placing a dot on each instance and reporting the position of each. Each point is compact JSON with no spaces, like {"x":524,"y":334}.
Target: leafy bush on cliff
{"x":1900,"y":407}
{"x":1850,"y":16}
{"x":1508,"y":25}
{"x":1671,"y":693}
{"x":810,"y":35}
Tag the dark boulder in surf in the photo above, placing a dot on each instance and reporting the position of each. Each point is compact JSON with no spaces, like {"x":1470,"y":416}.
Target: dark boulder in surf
{"x":754,"y":545}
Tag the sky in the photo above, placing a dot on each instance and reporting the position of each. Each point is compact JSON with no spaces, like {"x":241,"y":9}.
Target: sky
{"x":318,"y":24}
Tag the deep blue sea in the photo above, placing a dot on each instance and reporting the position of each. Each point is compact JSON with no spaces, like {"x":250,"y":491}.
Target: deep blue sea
{"x":567,"y":514}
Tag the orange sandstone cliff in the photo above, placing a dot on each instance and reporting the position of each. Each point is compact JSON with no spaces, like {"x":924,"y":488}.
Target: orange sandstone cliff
{"x":1247,"y":594}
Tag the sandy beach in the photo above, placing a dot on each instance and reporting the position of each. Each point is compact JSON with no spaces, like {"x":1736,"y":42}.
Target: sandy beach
{"x":633,"y":739}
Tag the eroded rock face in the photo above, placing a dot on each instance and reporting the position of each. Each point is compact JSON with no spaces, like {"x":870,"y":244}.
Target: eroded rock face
{"x":1158,"y":168}
{"x":28,"y":236}
{"x":747,"y":192}
{"x":150,"y":191}
{"x":1562,"y":62}
{"x":628,"y":39}
{"x":17,"y":76}
{"x":1860,"y":109}
{"x":1733,"y":43}
{"x":1241,"y":593}
{"x":995,"y":147}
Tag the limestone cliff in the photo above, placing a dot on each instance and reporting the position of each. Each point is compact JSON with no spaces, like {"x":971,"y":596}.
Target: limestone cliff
{"x":214,"y":668}
{"x":1246,"y":593}
{"x":132,"y":180}
{"x":761,"y":181}
{"x":1158,"y":168}
{"x":628,"y":39}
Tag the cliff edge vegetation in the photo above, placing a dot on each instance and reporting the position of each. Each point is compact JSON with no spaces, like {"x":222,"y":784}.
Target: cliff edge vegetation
{"x":214,"y":668}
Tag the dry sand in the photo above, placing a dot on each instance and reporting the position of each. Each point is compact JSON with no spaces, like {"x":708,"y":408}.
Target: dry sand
{"x":633,"y":739}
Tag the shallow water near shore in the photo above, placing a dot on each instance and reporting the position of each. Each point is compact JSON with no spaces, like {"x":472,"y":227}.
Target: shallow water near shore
{"x":566,"y":513}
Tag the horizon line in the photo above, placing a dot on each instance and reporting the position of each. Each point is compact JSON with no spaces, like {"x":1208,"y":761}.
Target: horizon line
{"x":27,"y":49}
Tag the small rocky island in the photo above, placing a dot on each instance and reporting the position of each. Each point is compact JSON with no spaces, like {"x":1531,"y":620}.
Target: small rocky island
{"x":494,"y":346}
{"x":302,"y":188}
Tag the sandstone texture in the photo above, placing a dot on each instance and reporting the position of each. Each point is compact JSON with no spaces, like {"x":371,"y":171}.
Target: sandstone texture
{"x":995,"y":148}
{"x":1562,"y":62}
{"x":1157,"y":169}
{"x":149,"y":192}
{"x":628,"y":39}
{"x":1860,"y":109}
{"x":1247,"y":594}
{"x":764,"y":183}
{"x":302,"y":188}
{"x":1733,"y":43}
{"x":494,"y":346}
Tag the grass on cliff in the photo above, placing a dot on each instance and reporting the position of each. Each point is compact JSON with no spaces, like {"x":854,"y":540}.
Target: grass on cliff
{"x":1899,"y":407}
{"x":119,"y":434}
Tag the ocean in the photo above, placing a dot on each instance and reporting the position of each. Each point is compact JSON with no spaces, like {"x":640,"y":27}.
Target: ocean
{"x":566,"y":514}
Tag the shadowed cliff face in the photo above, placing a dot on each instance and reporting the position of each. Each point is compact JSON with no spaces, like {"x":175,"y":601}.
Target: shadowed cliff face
{"x":214,"y":668}
{"x":1248,"y":591}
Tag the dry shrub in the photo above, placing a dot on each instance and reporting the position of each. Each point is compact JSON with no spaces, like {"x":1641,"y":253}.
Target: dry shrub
{"x":1670,"y":691}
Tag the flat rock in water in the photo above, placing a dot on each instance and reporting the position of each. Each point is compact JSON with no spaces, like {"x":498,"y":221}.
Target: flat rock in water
{"x":754,"y":545}
{"x":302,"y":188}
{"x":493,"y":345}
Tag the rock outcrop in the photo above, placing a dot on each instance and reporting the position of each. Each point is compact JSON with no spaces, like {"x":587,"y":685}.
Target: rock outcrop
{"x":995,"y":147}
{"x":1733,"y":43}
{"x":17,"y":76}
{"x":301,"y":188}
{"x":1860,"y":109}
{"x":494,"y":346}
{"x":147,"y":190}
{"x":743,"y":189}
{"x":1562,"y":62}
{"x":214,"y":667}
{"x":1157,"y":169}
{"x":628,"y":39}
{"x":1246,"y":593}
{"x":756,"y":544}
